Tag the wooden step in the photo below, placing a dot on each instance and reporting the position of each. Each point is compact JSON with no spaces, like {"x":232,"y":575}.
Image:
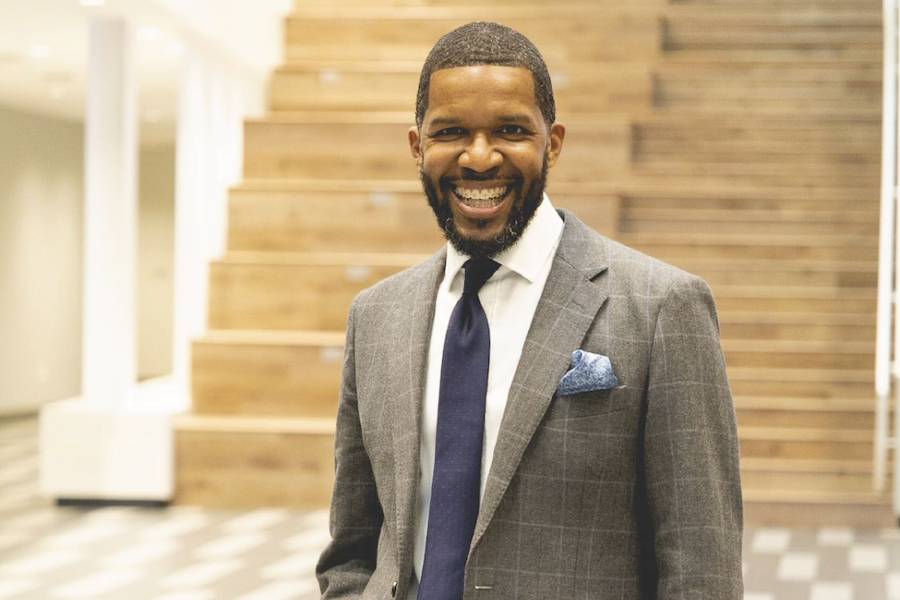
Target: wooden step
{"x":806,"y":444}
{"x":674,"y":246}
{"x":267,"y":373}
{"x":266,"y":291}
{"x":731,"y":88}
{"x":625,"y":88}
{"x":858,"y":217}
{"x":292,"y":291}
{"x":824,"y":109}
{"x":800,"y":124}
{"x":842,"y":57}
{"x":823,"y":5}
{"x":787,"y":75}
{"x":802,"y":382}
{"x":771,"y":17}
{"x":675,"y":194}
{"x":799,"y":300}
{"x":600,"y":33}
{"x":687,"y":222}
{"x":725,"y":146}
{"x":248,"y":462}
{"x":789,"y":277}
{"x":797,"y":326}
{"x":798,"y":354}
{"x":389,"y":217}
{"x":700,"y":166}
{"x":677,"y":38}
{"x":817,"y":509}
{"x":815,"y":413}
{"x":806,"y":476}
{"x":239,"y":462}
{"x":297,"y":373}
{"x":315,"y":145}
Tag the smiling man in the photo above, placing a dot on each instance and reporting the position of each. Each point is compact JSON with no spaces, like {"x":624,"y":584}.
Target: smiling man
{"x":536,"y":411}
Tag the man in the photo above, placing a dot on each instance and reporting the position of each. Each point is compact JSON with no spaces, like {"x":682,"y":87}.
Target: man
{"x":536,"y":411}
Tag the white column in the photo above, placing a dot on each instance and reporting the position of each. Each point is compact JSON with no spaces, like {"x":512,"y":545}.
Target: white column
{"x":114,"y":442}
{"x":110,"y":216}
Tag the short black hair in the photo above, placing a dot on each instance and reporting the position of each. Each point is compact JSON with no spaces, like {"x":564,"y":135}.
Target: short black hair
{"x":486,"y":43}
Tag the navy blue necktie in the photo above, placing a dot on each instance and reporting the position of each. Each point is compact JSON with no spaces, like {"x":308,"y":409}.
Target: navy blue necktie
{"x":455,"y":488}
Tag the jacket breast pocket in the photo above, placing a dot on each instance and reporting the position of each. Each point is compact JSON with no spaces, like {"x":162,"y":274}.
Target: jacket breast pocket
{"x":589,"y":404}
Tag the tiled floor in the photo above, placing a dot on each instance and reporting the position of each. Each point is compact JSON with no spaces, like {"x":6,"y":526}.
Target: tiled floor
{"x":124,"y":553}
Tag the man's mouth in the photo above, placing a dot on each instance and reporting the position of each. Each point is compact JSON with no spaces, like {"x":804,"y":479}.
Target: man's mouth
{"x":481,"y":197}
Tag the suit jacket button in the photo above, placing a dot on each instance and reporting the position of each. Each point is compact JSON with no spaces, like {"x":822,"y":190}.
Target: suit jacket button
{"x":394,"y":590}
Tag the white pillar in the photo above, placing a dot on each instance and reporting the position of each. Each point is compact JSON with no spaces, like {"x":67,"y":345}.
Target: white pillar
{"x":114,"y":442}
{"x":110,"y":216}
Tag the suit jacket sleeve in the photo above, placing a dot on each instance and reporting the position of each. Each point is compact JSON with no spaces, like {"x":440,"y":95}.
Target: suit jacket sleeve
{"x":692,"y":452}
{"x":347,"y":563}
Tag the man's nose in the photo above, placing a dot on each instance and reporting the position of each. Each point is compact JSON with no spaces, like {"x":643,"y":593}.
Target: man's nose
{"x":480,"y":155}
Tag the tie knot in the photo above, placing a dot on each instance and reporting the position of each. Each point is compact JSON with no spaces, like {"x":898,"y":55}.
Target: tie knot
{"x":478,"y":271}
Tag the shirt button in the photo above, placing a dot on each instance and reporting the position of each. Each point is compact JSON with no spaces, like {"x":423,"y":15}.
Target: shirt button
{"x":394,"y":590}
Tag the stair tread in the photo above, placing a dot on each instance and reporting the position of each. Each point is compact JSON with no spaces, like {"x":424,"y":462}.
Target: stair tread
{"x":828,"y":58}
{"x":815,"y":497}
{"x":754,"y":215}
{"x":752,"y":239}
{"x":797,"y":434}
{"x":790,"y":403}
{"x":485,"y":12}
{"x":802,"y":374}
{"x":250,"y":424}
{"x":798,"y":346}
{"x":391,"y":259}
{"x":273,"y":337}
{"x":807,"y":465}
{"x":803,"y":318}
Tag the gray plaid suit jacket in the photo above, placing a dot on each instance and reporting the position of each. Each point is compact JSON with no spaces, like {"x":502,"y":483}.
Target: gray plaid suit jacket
{"x":625,"y":494}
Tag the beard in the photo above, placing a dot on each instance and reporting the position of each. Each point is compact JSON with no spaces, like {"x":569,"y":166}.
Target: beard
{"x":525,"y":204}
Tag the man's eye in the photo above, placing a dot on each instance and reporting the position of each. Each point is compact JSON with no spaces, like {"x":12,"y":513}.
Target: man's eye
{"x":513,"y":130}
{"x":449,"y":132}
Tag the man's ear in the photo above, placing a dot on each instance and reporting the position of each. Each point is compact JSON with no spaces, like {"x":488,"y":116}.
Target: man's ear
{"x":557,"y":135}
{"x":415,"y":147}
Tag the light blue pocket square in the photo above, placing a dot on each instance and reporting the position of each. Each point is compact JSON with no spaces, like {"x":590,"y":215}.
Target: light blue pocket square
{"x":589,"y":372}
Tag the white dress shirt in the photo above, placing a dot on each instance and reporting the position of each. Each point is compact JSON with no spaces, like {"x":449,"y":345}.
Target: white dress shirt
{"x":509,"y":298}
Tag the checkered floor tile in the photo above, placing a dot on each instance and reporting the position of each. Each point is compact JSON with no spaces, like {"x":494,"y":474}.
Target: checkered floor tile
{"x":179,"y":553}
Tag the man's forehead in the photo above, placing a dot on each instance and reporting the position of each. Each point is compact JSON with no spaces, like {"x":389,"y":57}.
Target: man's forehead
{"x":487,"y":84}
{"x":481,"y":73}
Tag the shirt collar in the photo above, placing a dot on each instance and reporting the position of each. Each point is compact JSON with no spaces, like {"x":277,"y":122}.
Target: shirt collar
{"x":530,"y":252}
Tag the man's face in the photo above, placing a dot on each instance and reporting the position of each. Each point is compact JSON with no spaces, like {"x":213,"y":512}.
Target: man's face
{"x":483,"y":152}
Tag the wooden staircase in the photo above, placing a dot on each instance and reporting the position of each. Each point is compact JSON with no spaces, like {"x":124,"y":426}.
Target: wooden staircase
{"x":738,"y":139}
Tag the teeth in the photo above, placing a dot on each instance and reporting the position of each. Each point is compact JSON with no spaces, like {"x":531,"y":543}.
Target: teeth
{"x":481,"y":198}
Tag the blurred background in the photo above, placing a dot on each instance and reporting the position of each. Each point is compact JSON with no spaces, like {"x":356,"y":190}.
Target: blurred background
{"x":192,"y":192}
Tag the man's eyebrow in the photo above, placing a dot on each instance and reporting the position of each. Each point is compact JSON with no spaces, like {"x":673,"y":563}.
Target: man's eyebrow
{"x":439,"y":121}
{"x":517,"y":118}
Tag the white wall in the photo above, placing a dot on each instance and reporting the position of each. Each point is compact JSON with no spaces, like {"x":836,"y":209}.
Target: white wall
{"x":155,"y":260}
{"x":41,"y":194}
{"x":41,"y":203}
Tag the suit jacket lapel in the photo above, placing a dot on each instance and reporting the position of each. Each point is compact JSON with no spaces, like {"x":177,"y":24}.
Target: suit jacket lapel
{"x":415,"y":313}
{"x":567,"y":307}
